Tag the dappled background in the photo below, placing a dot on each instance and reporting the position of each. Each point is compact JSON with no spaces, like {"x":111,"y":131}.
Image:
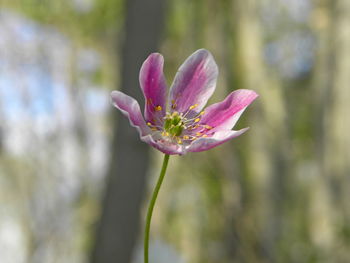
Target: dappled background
{"x":75,"y":179}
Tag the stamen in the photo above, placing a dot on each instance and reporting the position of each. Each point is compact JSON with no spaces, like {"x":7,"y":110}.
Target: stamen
{"x":173,"y":104}
{"x":166,"y":134}
{"x":193,"y":106}
{"x":191,"y":127}
{"x":175,"y":123}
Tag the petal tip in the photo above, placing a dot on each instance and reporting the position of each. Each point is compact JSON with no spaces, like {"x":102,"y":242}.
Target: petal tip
{"x":203,"y":51}
{"x":155,"y":56}
{"x":255,"y":95}
{"x":114,"y":95}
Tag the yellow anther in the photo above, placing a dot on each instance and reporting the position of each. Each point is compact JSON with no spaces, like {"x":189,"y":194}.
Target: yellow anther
{"x":186,"y":137}
{"x":175,"y":113}
{"x":149,"y":124}
{"x":173,"y":104}
{"x":179,"y":141}
{"x":204,"y":136}
{"x":165,"y":133}
{"x":198,"y":133}
{"x":158,"y":108}
{"x":208,"y":127}
{"x":193,"y":106}
{"x":153,"y":128}
{"x":197,"y":120}
{"x":202,"y":112}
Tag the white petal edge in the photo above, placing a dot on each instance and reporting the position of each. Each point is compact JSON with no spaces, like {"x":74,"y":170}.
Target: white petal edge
{"x":220,"y":137}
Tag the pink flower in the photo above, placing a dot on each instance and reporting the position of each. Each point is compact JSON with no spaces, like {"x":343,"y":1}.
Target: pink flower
{"x":183,"y":126}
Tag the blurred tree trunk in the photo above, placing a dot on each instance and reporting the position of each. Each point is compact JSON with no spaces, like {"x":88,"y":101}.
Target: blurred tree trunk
{"x":336,"y":124}
{"x":331,"y":88}
{"x":119,"y":225}
{"x":267,"y":171}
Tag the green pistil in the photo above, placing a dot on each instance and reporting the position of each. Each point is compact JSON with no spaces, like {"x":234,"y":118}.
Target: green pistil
{"x":176,"y":130}
{"x":173,"y":124}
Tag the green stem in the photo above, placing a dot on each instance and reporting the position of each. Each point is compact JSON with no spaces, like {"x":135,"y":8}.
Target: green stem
{"x":151,"y":206}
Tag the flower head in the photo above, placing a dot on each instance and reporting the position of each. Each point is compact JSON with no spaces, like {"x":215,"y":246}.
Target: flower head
{"x":183,"y":126}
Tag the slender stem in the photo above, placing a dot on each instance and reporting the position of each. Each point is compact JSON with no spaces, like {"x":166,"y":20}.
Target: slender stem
{"x":151,"y":206}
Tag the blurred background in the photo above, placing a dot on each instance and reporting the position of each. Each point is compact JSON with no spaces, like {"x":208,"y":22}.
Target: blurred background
{"x":75,"y":179}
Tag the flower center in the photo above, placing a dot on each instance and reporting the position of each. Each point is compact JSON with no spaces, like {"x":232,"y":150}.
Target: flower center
{"x":179,"y":127}
{"x":174,"y":124}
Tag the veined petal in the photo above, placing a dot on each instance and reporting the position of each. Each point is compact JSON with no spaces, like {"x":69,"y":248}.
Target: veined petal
{"x":131,"y":109}
{"x":164,"y":146}
{"x":203,"y":144}
{"x":154,"y":87}
{"x":224,"y":115}
{"x":194,"y":82}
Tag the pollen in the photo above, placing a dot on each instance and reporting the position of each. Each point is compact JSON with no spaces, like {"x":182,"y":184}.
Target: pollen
{"x":193,"y":106}
{"x":179,"y":141}
{"x":198,"y":133}
{"x":165,"y":134}
{"x":197,"y":120}
{"x":201,"y":113}
{"x":204,"y":136}
{"x":149,"y":124}
{"x":158,"y":108}
{"x":186,"y":137}
{"x":208,"y":127}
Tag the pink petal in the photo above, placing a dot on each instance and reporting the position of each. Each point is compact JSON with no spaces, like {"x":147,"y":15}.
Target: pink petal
{"x":164,"y":146}
{"x":131,"y":109}
{"x":224,"y":115}
{"x":194,"y":82}
{"x":218,"y":138}
{"x":153,"y":86}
